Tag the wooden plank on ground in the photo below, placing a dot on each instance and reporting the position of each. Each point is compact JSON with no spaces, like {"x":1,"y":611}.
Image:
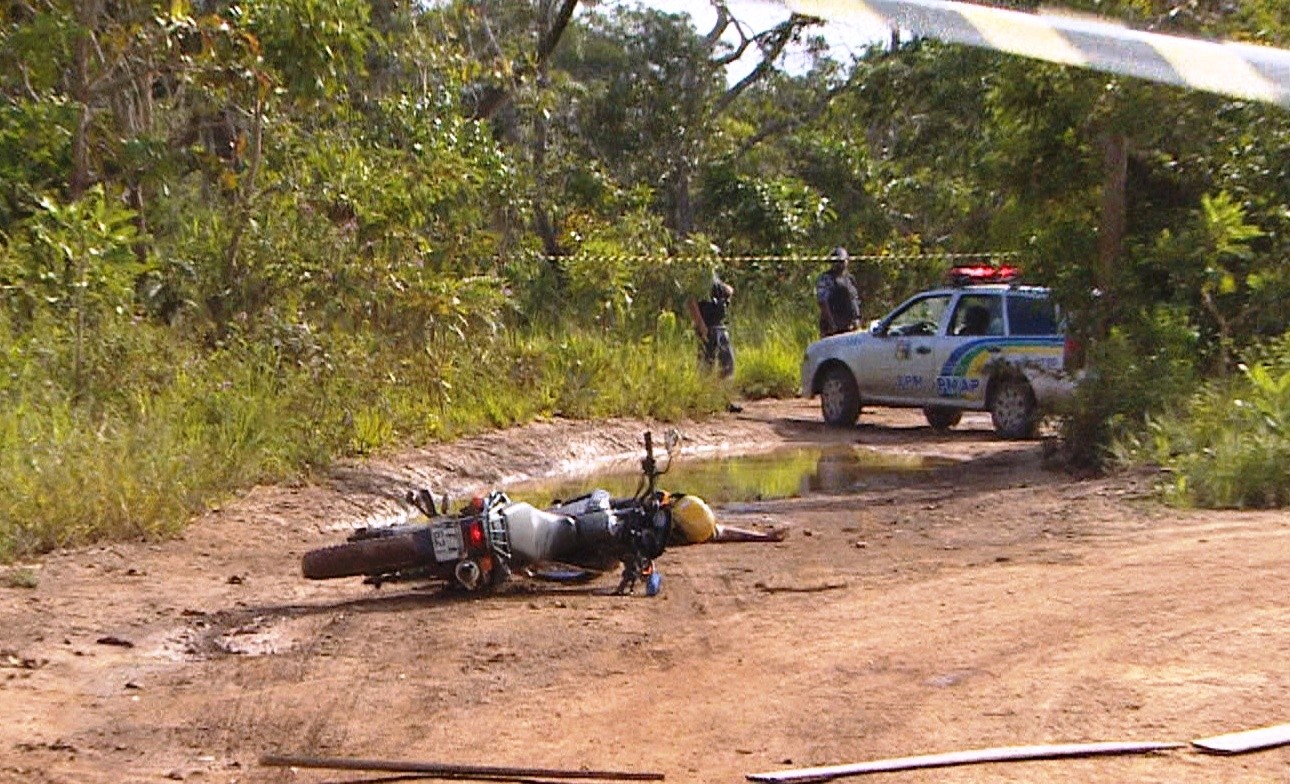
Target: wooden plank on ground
{"x":1002,"y":754}
{"x":729,"y":533}
{"x":447,"y":770}
{"x":1249,"y":740}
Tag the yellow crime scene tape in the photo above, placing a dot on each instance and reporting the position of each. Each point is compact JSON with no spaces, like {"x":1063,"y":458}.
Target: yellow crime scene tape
{"x":1259,"y":73}
{"x":986,"y":257}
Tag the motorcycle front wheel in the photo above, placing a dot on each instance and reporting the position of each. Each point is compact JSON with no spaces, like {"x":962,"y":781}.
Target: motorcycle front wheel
{"x":381,"y":555}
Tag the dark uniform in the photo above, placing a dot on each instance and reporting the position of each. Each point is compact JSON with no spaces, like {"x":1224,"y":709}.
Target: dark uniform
{"x":717,"y":351}
{"x":839,"y":301}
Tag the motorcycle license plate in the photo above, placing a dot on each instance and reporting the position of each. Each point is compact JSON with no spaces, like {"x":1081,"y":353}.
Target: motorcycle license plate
{"x":446,"y":538}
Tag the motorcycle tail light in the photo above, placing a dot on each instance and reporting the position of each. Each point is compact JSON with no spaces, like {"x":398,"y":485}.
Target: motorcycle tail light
{"x":475,"y":534}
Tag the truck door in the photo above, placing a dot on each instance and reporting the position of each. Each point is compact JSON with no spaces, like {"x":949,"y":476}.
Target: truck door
{"x":905,"y":366}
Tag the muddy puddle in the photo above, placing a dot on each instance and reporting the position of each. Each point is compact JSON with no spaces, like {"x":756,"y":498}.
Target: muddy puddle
{"x":781,"y":473}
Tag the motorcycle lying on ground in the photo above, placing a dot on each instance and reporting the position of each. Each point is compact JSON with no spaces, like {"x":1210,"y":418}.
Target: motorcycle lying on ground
{"x":481,"y":545}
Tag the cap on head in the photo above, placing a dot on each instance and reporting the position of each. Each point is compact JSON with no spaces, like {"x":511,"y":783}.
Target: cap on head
{"x":840,"y":256}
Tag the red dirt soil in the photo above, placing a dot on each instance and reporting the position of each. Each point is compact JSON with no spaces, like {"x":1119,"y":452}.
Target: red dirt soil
{"x":988,"y":603}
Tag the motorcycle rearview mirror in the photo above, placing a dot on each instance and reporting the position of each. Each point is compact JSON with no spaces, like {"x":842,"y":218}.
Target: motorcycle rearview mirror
{"x":647,"y":462}
{"x":423,"y":500}
{"x":672,"y":442}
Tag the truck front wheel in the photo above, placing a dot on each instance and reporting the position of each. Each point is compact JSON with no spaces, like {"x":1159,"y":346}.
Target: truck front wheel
{"x":839,"y":397}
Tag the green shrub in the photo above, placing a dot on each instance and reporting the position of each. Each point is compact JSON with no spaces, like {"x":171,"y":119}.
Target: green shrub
{"x":21,"y":578}
{"x":1143,"y":367}
{"x":1227,"y":447}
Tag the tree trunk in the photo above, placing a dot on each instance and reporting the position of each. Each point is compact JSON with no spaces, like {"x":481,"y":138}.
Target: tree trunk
{"x":542,"y":219}
{"x":1110,"y":248}
{"x":682,"y":207}
{"x":87,"y":16}
{"x":235,"y":295}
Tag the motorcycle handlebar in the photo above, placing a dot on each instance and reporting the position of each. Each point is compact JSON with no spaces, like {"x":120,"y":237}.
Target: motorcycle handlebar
{"x":649,"y":468}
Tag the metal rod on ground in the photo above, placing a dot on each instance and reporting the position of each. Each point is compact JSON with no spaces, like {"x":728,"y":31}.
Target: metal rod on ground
{"x":1004,"y":754}
{"x":448,"y":769}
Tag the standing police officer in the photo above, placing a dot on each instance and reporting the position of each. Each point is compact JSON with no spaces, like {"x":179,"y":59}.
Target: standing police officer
{"x":835,"y":292}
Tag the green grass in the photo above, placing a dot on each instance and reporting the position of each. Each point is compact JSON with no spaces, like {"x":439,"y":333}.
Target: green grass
{"x":769,"y":355}
{"x":170,"y":440}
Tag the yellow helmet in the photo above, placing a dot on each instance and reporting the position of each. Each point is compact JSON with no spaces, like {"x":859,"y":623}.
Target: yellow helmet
{"x":694,"y":519}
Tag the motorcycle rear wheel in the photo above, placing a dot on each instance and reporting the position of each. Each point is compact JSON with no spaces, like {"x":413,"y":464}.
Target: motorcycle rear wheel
{"x":377,"y":556}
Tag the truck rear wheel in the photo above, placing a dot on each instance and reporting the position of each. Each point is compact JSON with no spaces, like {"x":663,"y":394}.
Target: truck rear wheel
{"x":1013,"y":409}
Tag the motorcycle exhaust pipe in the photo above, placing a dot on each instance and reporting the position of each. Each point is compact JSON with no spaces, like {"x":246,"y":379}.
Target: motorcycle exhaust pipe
{"x":469,"y":574}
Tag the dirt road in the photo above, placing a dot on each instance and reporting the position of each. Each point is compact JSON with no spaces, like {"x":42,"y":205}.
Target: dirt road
{"x":987,"y":603}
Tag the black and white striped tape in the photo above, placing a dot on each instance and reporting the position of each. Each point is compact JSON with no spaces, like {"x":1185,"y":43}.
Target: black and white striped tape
{"x":1259,"y":73}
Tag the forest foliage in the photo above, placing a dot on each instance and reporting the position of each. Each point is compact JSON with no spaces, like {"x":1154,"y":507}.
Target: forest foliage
{"x":239,"y":239}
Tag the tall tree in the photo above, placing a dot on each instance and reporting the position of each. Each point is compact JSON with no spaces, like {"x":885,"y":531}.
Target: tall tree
{"x":655,"y":92}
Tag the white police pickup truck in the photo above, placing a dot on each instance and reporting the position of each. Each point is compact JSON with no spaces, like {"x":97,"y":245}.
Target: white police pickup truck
{"x":971,"y":346}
